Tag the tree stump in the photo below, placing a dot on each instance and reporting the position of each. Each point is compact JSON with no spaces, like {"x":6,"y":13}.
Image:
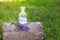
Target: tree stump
{"x":14,"y":32}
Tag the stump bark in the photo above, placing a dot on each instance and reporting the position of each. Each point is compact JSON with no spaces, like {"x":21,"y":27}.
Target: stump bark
{"x":14,"y":31}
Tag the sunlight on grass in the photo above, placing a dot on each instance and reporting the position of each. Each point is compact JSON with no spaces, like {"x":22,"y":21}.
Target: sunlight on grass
{"x":11,"y":0}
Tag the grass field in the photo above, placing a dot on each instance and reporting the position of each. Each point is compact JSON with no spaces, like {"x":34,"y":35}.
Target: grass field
{"x":46,"y":11}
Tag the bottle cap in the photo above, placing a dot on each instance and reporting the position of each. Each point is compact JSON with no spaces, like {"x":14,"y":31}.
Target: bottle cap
{"x":23,"y":8}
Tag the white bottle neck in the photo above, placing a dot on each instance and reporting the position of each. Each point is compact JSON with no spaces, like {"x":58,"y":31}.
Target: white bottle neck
{"x":22,"y":9}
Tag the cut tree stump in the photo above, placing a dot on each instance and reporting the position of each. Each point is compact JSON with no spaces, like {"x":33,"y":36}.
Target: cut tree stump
{"x":14,"y":31}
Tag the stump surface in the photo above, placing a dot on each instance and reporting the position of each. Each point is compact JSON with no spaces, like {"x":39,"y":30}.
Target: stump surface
{"x":14,"y":32}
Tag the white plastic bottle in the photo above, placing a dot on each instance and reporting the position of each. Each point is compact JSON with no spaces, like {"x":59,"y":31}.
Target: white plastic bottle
{"x":22,"y":16}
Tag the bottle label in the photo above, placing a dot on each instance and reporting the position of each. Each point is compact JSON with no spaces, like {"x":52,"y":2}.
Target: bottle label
{"x":22,"y":20}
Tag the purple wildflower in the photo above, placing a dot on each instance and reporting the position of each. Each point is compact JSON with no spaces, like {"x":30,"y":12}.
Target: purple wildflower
{"x":24,"y":27}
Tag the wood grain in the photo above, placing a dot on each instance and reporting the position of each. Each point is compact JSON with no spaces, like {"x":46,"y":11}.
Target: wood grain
{"x":14,"y":31}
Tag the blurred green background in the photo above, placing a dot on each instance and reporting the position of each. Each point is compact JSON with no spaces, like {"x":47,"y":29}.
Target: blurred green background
{"x":46,"y":11}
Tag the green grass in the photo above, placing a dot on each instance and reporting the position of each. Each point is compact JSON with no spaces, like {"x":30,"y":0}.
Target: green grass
{"x":46,"y":11}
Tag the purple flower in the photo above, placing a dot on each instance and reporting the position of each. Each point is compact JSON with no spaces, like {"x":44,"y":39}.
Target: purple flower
{"x":24,"y":27}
